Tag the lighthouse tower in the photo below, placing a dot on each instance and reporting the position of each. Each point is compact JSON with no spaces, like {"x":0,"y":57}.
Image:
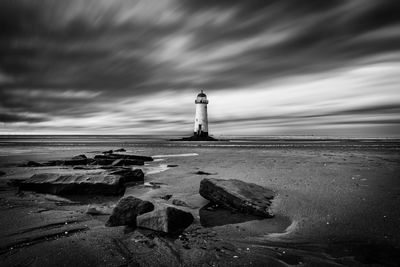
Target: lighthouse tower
{"x":201,"y":120}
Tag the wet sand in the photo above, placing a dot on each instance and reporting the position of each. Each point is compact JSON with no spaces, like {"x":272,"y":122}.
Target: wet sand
{"x":336,"y":206}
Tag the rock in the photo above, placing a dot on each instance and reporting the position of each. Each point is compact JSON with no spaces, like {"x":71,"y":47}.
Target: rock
{"x":128,"y":175}
{"x":76,"y":161}
{"x":172,"y":165}
{"x":74,"y":183}
{"x":127,"y":162}
{"x":238,"y":195}
{"x":54,"y":163}
{"x":2,"y":173}
{"x":203,"y":173}
{"x":103,"y":161}
{"x":127,"y":210}
{"x":165,"y":219}
{"x":97,"y":210}
{"x":32,"y":164}
{"x":123,"y":156}
{"x":166,"y":197}
{"x":120,"y":150}
{"x":196,"y":138}
{"x":15,"y":182}
{"x":82,"y":156}
{"x":178,"y":202}
{"x":107,"y":152}
{"x":152,"y":185}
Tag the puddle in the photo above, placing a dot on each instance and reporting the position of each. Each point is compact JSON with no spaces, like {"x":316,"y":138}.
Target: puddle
{"x":211,"y":217}
{"x":155,"y":169}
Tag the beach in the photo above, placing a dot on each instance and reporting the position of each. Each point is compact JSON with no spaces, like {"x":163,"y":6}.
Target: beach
{"x":336,"y":204}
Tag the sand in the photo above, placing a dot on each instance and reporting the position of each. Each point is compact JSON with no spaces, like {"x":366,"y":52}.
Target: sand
{"x":336,"y":206}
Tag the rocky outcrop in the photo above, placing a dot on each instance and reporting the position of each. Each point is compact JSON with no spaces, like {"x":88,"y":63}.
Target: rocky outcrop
{"x":123,"y":156}
{"x":127,"y":210}
{"x":108,"y":158}
{"x":196,"y":138}
{"x":238,"y":195}
{"x":165,"y":219}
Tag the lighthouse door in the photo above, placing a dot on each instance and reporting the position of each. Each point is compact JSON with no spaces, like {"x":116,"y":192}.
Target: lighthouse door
{"x":199,"y":129}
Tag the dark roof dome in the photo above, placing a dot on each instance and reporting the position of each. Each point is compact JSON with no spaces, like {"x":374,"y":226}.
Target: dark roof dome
{"x":201,"y":94}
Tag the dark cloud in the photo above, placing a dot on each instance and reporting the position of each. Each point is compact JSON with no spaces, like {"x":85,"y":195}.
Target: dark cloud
{"x":14,"y":117}
{"x":121,"y":49}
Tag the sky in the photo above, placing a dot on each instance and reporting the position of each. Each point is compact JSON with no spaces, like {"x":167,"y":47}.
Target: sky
{"x":284,"y":67}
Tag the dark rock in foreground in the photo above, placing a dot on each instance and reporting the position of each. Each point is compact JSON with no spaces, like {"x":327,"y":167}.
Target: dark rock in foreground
{"x":127,"y":210}
{"x":238,"y":195}
{"x":165,"y":219}
{"x":72,"y":183}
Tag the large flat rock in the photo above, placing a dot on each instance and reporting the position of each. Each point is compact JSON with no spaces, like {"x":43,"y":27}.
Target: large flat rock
{"x":238,"y":195}
{"x":74,"y":183}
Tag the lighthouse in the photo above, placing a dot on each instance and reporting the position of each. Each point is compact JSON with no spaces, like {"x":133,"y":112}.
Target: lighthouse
{"x":201,"y":120}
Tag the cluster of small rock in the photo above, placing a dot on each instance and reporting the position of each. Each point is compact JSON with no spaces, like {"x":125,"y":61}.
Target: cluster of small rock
{"x":111,"y":173}
{"x":135,"y":212}
{"x":116,"y":173}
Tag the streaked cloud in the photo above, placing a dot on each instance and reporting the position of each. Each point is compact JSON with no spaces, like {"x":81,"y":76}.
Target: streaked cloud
{"x":134,"y":67}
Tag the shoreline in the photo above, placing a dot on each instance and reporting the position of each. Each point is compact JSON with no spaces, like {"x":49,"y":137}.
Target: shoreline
{"x":315,"y":187}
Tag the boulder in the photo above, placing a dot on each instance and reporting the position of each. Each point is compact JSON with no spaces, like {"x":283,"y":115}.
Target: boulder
{"x":127,"y":210}
{"x":165,"y":219}
{"x":238,"y":195}
{"x":74,"y":183}
{"x":129,"y":175}
{"x":127,"y":162}
{"x":120,"y":150}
